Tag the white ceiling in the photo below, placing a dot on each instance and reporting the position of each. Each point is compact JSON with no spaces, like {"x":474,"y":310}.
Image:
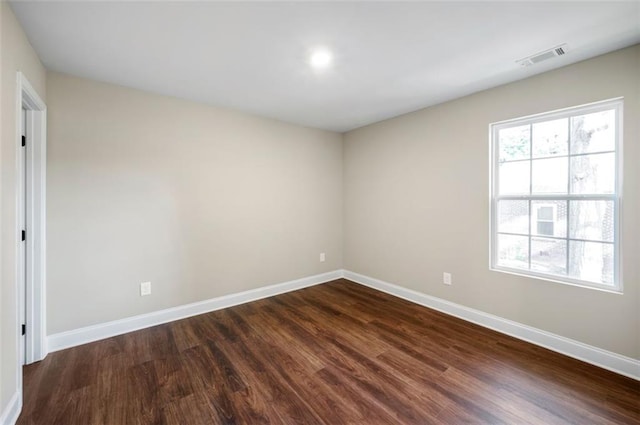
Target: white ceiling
{"x":389,"y":57}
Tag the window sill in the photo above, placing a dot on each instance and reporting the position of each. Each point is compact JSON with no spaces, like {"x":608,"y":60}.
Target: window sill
{"x":548,"y":278}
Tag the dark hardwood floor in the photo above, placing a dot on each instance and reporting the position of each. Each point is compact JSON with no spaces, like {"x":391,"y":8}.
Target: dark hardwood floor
{"x":337,"y":353}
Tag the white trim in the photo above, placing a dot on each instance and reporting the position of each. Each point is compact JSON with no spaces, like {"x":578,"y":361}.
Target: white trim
{"x":596,"y":356}
{"x":31,"y":290}
{"x":36,"y":158}
{"x":11,"y":413}
{"x":600,"y":105}
{"x":87,"y":334}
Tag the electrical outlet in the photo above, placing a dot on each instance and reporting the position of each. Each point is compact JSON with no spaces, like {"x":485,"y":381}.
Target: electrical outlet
{"x":145,"y":288}
{"x":322,"y":257}
{"x":446,"y":278}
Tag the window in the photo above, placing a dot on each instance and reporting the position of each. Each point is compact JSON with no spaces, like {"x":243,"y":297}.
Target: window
{"x":555,"y":195}
{"x":545,"y":219}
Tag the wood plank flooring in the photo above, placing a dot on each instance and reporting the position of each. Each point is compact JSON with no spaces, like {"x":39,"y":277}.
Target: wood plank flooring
{"x":337,"y":353}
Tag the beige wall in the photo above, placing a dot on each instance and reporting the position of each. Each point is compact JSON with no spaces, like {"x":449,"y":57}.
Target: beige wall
{"x":417,"y":204}
{"x":200,"y":201}
{"x":16,"y":55}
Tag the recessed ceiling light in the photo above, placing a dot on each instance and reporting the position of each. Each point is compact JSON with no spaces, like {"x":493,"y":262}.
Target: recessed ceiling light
{"x":320,"y":58}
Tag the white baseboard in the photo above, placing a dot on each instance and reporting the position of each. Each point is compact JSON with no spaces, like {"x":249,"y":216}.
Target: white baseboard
{"x":10,"y":414}
{"x":602,"y":358}
{"x":87,"y":334}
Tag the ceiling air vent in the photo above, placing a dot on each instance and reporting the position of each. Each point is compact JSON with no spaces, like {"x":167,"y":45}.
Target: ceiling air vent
{"x":543,"y":56}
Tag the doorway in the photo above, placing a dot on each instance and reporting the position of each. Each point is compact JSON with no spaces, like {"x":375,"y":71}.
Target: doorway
{"x":30,"y":224}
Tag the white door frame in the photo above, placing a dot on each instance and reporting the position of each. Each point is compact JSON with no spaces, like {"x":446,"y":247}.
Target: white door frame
{"x":36,"y":161}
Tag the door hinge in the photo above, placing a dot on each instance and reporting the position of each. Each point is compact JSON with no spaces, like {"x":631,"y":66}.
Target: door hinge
{"x":24,"y":141}
{"x":24,"y":235}
{"x":24,"y":329}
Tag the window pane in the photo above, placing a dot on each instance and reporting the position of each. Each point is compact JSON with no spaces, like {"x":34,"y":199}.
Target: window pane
{"x":514,"y":143}
{"x":592,"y":220}
{"x":513,"y":251}
{"x":514,"y":178}
{"x":549,"y":255}
{"x":550,"y":175}
{"x":593,"y":132}
{"x":593,"y":174}
{"x":513,"y":217}
{"x":546,"y":213}
{"x":549,"y":218}
{"x":550,"y":138}
{"x":545,"y":228}
{"x":591,"y":261}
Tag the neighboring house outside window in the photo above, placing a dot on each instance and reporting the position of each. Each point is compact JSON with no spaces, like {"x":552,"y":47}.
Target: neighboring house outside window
{"x":545,"y":218}
{"x":555,"y":195}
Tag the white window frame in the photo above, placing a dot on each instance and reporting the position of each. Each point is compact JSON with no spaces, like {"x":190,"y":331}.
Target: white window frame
{"x":611,"y":104}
